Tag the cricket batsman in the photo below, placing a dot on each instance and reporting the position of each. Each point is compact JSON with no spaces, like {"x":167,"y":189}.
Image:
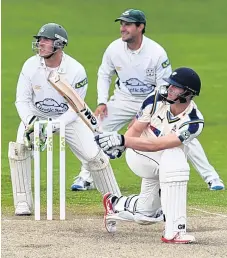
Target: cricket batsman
{"x":156,"y":147}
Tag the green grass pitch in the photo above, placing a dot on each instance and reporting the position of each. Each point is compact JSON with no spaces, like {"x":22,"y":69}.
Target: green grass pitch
{"x":193,"y":33}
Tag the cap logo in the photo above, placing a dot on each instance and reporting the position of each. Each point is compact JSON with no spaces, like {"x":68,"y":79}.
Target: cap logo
{"x":126,"y":13}
{"x":174,"y":73}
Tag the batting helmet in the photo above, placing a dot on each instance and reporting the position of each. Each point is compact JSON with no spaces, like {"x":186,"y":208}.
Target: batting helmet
{"x":53,"y":31}
{"x":185,"y":78}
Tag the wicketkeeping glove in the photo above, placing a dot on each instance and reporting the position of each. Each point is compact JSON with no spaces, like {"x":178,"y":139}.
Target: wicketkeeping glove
{"x":29,"y":134}
{"x":29,"y":129}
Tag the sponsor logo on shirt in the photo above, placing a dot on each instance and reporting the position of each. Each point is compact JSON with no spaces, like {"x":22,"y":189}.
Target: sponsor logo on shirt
{"x":174,"y":129}
{"x":51,"y":106}
{"x":137,"y":87}
{"x":81,"y":83}
{"x":166,"y":63}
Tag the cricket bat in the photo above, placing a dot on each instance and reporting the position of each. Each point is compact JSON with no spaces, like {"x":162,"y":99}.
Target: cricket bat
{"x":74,"y":100}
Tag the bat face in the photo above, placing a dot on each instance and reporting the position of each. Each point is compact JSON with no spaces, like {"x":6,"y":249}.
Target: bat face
{"x":74,"y":100}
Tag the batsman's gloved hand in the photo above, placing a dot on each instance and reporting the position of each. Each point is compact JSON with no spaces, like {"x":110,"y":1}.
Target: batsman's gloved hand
{"x":28,"y":133}
{"x":111,"y":143}
{"x":115,"y":152}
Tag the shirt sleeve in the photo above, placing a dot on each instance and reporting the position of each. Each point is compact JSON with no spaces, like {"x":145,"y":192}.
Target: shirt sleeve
{"x":190,"y":130}
{"x":80,"y":85}
{"x":163,"y":69}
{"x":105,"y":74}
{"x":148,"y":108}
{"x":24,"y":96}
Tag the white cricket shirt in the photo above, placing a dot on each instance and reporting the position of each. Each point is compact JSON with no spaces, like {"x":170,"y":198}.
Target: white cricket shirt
{"x":138,"y":72}
{"x":187,"y":125}
{"x":36,"y":96}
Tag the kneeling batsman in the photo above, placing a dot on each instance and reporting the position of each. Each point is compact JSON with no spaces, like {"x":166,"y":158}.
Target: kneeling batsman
{"x":156,"y":151}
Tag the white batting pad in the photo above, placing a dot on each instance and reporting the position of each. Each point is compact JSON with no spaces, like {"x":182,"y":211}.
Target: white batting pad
{"x":103,"y":175}
{"x":20,"y":167}
{"x":174,"y":175}
{"x":173,"y":198}
{"x":173,"y":166}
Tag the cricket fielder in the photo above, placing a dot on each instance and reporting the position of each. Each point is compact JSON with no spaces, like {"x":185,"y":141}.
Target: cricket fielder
{"x":157,"y":145}
{"x":37,"y":99}
{"x":140,"y":65}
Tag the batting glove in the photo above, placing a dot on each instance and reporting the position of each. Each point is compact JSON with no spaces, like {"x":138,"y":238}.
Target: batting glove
{"x":109,"y":140}
{"x":115,"y":152}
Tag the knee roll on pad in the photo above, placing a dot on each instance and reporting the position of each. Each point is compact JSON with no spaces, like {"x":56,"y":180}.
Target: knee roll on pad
{"x":103,"y":175}
{"x":173,"y":166}
{"x":100,"y":161}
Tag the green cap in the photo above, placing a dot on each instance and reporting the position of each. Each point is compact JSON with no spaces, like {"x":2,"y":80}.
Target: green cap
{"x":132,"y":15}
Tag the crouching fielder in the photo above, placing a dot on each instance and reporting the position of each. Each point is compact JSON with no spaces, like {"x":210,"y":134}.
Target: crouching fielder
{"x":37,"y":99}
{"x":156,"y":151}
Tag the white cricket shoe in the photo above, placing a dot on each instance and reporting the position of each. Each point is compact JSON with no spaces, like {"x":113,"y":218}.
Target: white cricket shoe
{"x":22,"y":209}
{"x":216,"y":184}
{"x":80,"y":184}
{"x":110,"y":224}
{"x":180,"y":238}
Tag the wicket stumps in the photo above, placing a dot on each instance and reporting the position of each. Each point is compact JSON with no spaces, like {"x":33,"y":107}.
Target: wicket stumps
{"x":49,"y":149}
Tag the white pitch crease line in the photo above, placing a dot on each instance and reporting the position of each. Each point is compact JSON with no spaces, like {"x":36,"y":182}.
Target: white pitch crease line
{"x":212,"y":213}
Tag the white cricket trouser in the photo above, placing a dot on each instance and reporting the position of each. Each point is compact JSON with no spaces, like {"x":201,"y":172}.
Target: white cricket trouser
{"x":79,"y":138}
{"x":122,"y":111}
{"x":81,"y":142}
{"x":147,"y":167}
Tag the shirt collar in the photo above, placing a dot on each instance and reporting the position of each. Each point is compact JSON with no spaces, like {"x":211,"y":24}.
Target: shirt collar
{"x":62,"y":67}
{"x":136,"y":52}
{"x":185,"y":112}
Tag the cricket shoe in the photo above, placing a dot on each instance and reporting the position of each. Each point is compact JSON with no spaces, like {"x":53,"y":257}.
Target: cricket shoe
{"x":109,"y":222}
{"x":180,"y":238}
{"x":216,"y":184}
{"x":22,"y":209}
{"x":80,"y":184}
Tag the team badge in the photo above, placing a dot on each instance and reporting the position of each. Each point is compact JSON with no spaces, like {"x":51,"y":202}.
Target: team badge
{"x":149,"y":72}
{"x":185,"y":134}
{"x":126,"y":12}
{"x":42,"y":30}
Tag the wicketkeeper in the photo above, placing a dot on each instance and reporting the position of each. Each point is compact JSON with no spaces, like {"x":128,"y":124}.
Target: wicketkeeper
{"x":37,"y":99}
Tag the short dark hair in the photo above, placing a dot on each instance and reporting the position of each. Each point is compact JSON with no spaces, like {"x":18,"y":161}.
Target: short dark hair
{"x":138,"y":24}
